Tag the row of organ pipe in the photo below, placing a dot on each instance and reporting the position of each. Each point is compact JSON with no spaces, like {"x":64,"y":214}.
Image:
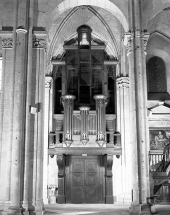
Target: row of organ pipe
{"x":68,"y":103}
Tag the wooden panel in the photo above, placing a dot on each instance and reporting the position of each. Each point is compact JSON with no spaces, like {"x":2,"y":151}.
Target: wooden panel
{"x":86,"y":180}
{"x":91,"y":165}
{"x":78,"y":165}
{"x":91,"y":195}
{"x":91,"y":180}
{"x":77,"y":195}
{"x":85,"y":150}
{"x":77,"y":180}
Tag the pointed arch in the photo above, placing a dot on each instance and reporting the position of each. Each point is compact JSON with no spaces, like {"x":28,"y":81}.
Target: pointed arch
{"x":105,"y":4}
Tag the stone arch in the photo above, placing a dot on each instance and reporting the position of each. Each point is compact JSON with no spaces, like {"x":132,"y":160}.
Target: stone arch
{"x":161,"y":6}
{"x":105,"y":4}
{"x":111,"y":49}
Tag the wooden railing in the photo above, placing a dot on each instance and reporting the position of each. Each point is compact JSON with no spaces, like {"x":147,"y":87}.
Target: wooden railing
{"x":159,"y":164}
{"x":155,"y":159}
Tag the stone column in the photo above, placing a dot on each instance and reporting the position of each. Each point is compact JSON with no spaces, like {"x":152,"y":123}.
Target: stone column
{"x":38,"y":95}
{"x":84,"y":114}
{"x":48,"y":81}
{"x":19,"y":107}
{"x":138,"y":117}
{"x":100,"y":119}
{"x":68,"y":102}
{"x":6,"y":117}
{"x":29,"y":123}
{"x":123,"y":88}
{"x":133,"y":130}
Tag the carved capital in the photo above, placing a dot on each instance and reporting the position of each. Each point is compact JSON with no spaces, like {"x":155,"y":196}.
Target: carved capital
{"x":48,"y":82}
{"x":39,"y":43}
{"x":145,"y":37}
{"x":7,"y":43}
{"x":128,"y":39}
{"x":123,"y":82}
{"x":137,"y":33}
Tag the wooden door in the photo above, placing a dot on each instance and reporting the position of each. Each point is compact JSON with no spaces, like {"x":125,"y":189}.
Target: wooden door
{"x":86,"y":180}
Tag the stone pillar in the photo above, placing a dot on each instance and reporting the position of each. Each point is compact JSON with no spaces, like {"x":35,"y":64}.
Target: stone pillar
{"x":84,"y":114}
{"x":61,"y":179}
{"x":68,"y":102}
{"x":100,"y":119}
{"x":29,"y":122}
{"x":38,"y":95}
{"x":19,"y":107}
{"x":6,"y":117}
{"x":133,"y":130}
{"x":123,"y":88}
{"x":138,"y":117}
{"x":109,"y":183}
{"x":48,"y":81}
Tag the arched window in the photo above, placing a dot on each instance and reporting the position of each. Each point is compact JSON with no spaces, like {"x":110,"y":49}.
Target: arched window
{"x":156,"y":74}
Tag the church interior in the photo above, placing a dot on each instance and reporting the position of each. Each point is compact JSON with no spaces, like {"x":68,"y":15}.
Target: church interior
{"x":84,"y":104}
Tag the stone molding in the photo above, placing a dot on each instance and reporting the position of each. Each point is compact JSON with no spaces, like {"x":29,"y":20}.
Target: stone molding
{"x":123,"y":82}
{"x":7,"y":42}
{"x":155,"y":122}
{"x":21,"y":30}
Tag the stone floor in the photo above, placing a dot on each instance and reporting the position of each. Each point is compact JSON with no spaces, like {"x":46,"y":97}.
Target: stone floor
{"x":96,"y":209}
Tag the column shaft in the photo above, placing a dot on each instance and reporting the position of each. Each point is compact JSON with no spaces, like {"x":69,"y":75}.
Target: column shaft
{"x":39,"y":67}
{"x":138,"y":108}
{"x":6,"y":126}
{"x":27,"y":193}
{"x":48,"y":81}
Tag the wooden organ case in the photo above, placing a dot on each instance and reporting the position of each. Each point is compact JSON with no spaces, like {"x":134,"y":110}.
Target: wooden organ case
{"x":84,"y":121}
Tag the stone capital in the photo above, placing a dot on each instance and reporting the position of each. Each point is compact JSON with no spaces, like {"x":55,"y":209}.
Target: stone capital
{"x":39,"y":43}
{"x":48,"y":81}
{"x":128,"y":38}
{"x":7,"y":42}
{"x":145,"y":36}
{"x":123,"y":82}
{"x":137,"y":33}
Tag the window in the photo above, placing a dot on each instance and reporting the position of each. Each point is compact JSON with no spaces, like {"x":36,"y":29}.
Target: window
{"x":156,"y":72}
